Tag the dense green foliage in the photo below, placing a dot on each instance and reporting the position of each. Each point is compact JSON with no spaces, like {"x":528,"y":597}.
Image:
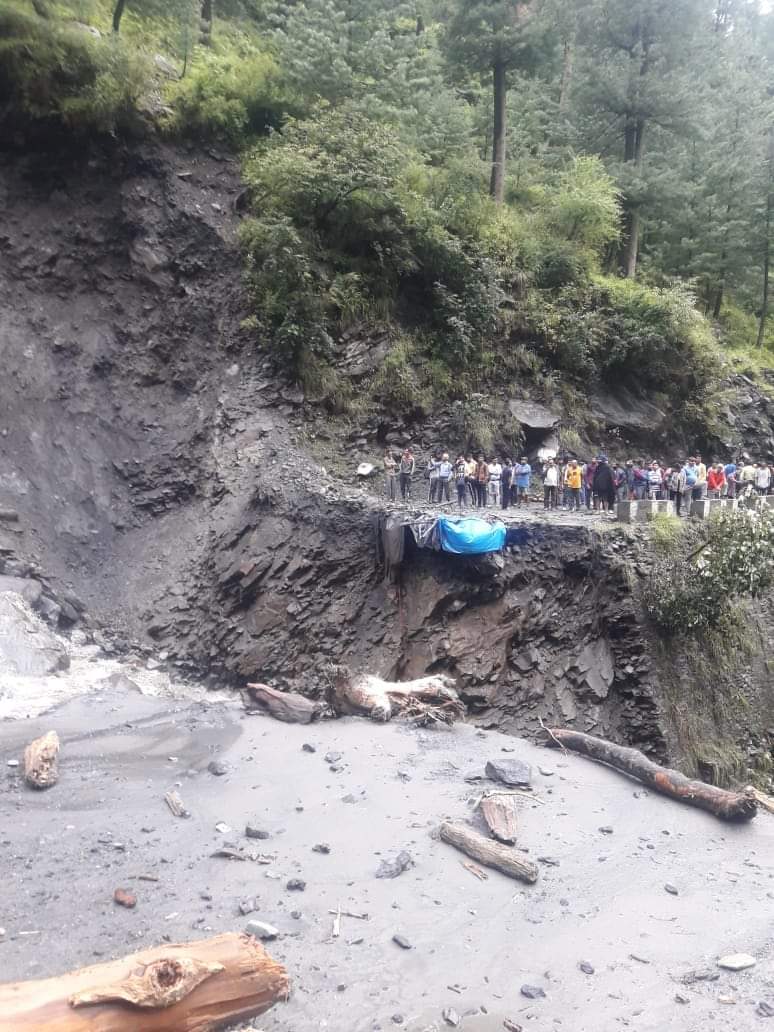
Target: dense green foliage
{"x":729,"y":557}
{"x":569,"y":193}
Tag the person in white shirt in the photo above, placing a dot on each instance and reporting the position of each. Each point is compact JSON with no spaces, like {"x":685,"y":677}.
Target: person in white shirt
{"x":762,"y":478}
{"x":495,"y":475}
{"x":550,"y":485}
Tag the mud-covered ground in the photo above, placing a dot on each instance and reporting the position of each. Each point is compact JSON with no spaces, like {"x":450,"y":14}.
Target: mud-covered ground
{"x":600,"y":898}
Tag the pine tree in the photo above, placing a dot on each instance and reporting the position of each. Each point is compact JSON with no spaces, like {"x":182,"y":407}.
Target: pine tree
{"x":637,"y":58}
{"x":497,"y":37}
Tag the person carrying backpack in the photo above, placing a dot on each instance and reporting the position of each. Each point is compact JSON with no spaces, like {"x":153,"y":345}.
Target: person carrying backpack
{"x":691,"y":475}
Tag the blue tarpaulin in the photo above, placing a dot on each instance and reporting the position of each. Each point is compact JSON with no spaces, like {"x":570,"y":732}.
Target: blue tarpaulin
{"x":470,"y":535}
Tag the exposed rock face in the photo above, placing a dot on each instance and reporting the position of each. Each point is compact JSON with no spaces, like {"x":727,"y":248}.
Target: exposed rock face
{"x":26,"y":646}
{"x":162,"y":474}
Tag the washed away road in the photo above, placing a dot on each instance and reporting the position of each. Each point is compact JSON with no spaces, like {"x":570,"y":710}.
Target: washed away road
{"x":606,"y":848}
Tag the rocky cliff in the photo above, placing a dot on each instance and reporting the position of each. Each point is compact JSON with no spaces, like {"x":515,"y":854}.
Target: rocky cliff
{"x":165,"y":482}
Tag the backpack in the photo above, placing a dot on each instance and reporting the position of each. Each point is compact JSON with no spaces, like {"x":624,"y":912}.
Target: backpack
{"x":690,"y":476}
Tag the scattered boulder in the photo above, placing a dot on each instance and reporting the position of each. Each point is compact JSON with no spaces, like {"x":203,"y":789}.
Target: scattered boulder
{"x":261,"y":930}
{"x":511,"y":772}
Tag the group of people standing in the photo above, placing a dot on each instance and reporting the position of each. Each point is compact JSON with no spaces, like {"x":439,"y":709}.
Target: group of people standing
{"x":693,"y":480}
{"x":475,"y":481}
{"x":572,"y":484}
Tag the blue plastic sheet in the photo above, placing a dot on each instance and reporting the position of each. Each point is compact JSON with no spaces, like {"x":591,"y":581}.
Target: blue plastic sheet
{"x":470,"y":535}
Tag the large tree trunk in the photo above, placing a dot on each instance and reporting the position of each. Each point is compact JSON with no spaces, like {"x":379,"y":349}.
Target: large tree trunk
{"x":289,"y":707}
{"x":187,"y":987}
{"x":634,"y":134}
{"x":568,"y":56}
{"x":766,"y":249}
{"x":491,"y":854}
{"x":499,"y":126}
{"x":118,"y":13}
{"x":719,"y":291}
{"x":730,"y":806}
{"x":205,"y":35}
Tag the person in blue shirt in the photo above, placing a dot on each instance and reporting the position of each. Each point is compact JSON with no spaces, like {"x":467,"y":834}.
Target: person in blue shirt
{"x":730,"y":489}
{"x":523,"y":474}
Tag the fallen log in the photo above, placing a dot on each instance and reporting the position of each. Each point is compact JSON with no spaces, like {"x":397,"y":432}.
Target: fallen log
{"x":766,"y":801}
{"x":41,"y":757}
{"x":491,"y":854}
{"x":288,"y":707}
{"x":729,"y":806}
{"x":499,"y":812}
{"x":366,"y":695}
{"x":187,"y":987}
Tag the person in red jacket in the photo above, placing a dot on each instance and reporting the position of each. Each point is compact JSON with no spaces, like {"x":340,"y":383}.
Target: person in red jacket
{"x":716,"y":480}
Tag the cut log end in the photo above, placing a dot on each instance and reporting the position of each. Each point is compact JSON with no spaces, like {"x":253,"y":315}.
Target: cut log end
{"x":197,"y":986}
{"x":163,"y":983}
{"x":41,"y":761}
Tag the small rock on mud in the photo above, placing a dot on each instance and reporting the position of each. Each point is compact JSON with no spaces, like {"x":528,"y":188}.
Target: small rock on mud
{"x":124,"y":898}
{"x":402,"y":941}
{"x":532,"y":992}
{"x":392,"y":868}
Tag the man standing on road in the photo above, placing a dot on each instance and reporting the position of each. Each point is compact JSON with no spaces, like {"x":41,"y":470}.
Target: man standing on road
{"x":505,"y":483}
{"x":406,"y":473}
{"x":550,"y":485}
{"x":391,"y":473}
{"x":523,"y":473}
{"x":445,"y":470}
{"x":573,"y":479}
{"x":495,"y":475}
{"x":604,"y":485}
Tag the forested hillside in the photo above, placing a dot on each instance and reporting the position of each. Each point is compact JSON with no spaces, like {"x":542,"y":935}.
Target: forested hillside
{"x":546,"y":195}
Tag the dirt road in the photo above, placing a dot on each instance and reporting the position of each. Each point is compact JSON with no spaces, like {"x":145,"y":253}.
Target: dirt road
{"x":600,"y":898}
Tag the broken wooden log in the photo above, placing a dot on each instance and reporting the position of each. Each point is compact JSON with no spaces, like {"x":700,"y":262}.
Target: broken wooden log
{"x":175,"y":804}
{"x":187,"y":987}
{"x":729,"y":806}
{"x":289,"y":707}
{"x":491,"y":854}
{"x":41,"y":767}
{"x":499,"y":812}
{"x":366,"y":695}
{"x":766,"y":801}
